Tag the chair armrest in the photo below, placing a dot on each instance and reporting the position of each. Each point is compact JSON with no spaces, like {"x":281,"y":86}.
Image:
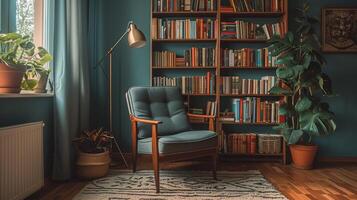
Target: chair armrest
{"x":146,"y":121}
{"x":201,"y":116}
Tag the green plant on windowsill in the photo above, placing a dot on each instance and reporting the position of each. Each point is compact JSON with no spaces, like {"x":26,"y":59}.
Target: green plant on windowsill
{"x":19,"y":55}
{"x":304,"y":81}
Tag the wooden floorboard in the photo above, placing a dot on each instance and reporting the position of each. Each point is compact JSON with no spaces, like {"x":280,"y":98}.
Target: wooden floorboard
{"x":327,"y":182}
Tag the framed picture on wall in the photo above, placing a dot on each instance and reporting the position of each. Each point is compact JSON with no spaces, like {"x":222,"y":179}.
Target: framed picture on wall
{"x":339,"y":30}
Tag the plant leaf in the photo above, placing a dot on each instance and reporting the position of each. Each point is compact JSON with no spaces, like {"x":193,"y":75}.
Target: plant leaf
{"x":303,"y":104}
{"x":295,"y":136}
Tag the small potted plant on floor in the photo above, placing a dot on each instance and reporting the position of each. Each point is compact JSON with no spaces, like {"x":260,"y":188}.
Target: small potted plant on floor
{"x":93,"y":153}
{"x":301,"y":74}
{"x":18,"y":55}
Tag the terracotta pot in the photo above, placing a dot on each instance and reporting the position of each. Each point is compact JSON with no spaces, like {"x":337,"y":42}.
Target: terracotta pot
{"x":41,"y":84}
{"x":93,"y":165}
{"x":303,"y":156}
{"x":10,"y":79}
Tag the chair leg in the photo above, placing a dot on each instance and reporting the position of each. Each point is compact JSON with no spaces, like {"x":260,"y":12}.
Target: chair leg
{"x":155,"y":163}
{"x":134,"y":145}
{"x":214,"y":166}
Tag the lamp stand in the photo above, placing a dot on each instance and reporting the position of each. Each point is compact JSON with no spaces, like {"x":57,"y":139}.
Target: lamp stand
{"x":110,"y":54}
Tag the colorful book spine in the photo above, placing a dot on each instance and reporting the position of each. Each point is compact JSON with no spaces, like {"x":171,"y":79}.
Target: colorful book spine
{"x":189,"y":84}
{"x":236,"y":85}
{"x":254,"y":110}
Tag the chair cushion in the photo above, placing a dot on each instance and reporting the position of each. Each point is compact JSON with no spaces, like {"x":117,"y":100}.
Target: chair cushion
{"x":159,"y":103}
{"x":181,"y":142}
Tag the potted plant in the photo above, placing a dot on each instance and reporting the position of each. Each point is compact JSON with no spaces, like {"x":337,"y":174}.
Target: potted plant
{"x":93,"y":153}
{"x":19,"y":55}
{"x":304,"y":82}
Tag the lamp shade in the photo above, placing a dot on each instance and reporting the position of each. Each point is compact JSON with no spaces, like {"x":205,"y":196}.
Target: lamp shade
{"x":136,"y":38}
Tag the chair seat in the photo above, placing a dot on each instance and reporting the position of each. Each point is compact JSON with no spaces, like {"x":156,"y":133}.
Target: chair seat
{"x":181,"y":142}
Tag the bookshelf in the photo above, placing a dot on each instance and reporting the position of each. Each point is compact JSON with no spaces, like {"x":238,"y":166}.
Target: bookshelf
{"x":218,"y":13}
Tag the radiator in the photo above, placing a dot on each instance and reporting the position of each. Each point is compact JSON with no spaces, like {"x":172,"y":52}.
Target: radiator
{"x":21,"y":160}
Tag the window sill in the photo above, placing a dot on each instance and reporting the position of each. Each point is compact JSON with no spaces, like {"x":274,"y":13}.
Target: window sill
{"x":27,"y":94}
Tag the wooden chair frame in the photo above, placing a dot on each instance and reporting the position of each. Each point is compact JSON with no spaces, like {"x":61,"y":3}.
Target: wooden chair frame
{"x":157,"y":157}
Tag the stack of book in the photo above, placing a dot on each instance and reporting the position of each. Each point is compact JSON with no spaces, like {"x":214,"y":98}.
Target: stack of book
{"x":236,"y":85}
{"x":248,"y":57}
{"x":194,"y":57}
{"x":226,"y":9}
{"x":257,"y":5}
{"x":269,"y":144}
{"x":242,"y":143}
{"x":177,"y":29}
{"x":248,"y":30}
{"x":189,"y":84}
{"x":255,"y":110}
{"x":184,"y":5}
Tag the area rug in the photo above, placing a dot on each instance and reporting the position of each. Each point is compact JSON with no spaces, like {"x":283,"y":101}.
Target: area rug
{"x":180,"y":185}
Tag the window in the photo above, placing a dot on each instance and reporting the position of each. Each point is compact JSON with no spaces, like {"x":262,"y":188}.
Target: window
{"x":29,"y":19}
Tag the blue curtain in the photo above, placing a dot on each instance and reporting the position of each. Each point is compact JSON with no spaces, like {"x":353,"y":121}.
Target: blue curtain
{"x":67,"y":38}
{"x":7,"y":16}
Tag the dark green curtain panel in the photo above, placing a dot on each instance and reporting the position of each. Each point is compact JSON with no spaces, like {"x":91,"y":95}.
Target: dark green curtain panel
{"x":7,"y":16}
{"x":69,"y":28}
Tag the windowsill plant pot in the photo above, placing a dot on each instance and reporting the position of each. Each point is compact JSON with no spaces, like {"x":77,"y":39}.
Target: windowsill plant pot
{"x":303,"y":82}
{"x":303,"y":156}
{"x":41,"y":84}
{"x":10,"y":78}
{"x":93,"y":154}
{"x":20,"y":62}
{"x":92,"y":165}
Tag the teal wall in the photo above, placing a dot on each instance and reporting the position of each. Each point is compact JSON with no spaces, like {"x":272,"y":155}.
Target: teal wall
{"x":131,"y":68}
{"x":24,"y":110}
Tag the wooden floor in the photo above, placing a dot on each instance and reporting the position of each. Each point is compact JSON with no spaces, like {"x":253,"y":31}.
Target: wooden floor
{"x":327,"y":181}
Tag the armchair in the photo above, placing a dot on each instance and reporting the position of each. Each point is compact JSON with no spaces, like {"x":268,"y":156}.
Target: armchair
{"x":160,"y":127}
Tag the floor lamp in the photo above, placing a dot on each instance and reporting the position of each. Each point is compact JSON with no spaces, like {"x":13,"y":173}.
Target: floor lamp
{"x":136,"y":39}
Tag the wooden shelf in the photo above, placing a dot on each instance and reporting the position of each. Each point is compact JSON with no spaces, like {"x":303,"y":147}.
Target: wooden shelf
{"x":199,"y":94}
{"x":219,"y":43}
{"x":251,"y":95}
{"x":251,"y":155}
{"x":180,"y":68}
{"x":251,"y":14}
{"x":244,"y":40}
{"x":248,"y":124}
{"x":185,"y":14}
{"x":249,"y":68}
{"x":184,"y":40}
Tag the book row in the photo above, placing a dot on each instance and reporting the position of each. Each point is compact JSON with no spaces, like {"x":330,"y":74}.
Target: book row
{"x":256,"y":5}
{"x":189,"y":84}
{"x":193,"y":57}
{"x":248,"y":57}
{"x":248,"y":30}
{"x":177,"y":29}
{"x":255,"y":110}
{"x":250,"y":143}
{"x":236,"y":85}
{"x":184,"y":5}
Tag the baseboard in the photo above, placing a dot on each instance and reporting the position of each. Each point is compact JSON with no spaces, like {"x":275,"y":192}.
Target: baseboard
{"x":337,"y":159}
{"x":325,"y":159}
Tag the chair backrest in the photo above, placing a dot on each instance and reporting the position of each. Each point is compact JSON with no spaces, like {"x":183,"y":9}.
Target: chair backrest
{"x":158,"y":103}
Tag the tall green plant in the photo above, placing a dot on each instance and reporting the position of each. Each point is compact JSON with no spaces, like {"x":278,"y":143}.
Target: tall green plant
{"x":303,"y":81}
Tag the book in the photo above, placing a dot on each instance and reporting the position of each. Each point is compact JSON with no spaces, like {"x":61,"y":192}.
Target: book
{"x":247,"y":57}
{"x":236,"y":85}
{"x":255,"y":110}
{"x":178,"y":29}
{"x":256,"y":5}
{"x":184,"y":5}
{"x":189,"y":84}
{"x":193,"y":57}
{"x":241,"y":29}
